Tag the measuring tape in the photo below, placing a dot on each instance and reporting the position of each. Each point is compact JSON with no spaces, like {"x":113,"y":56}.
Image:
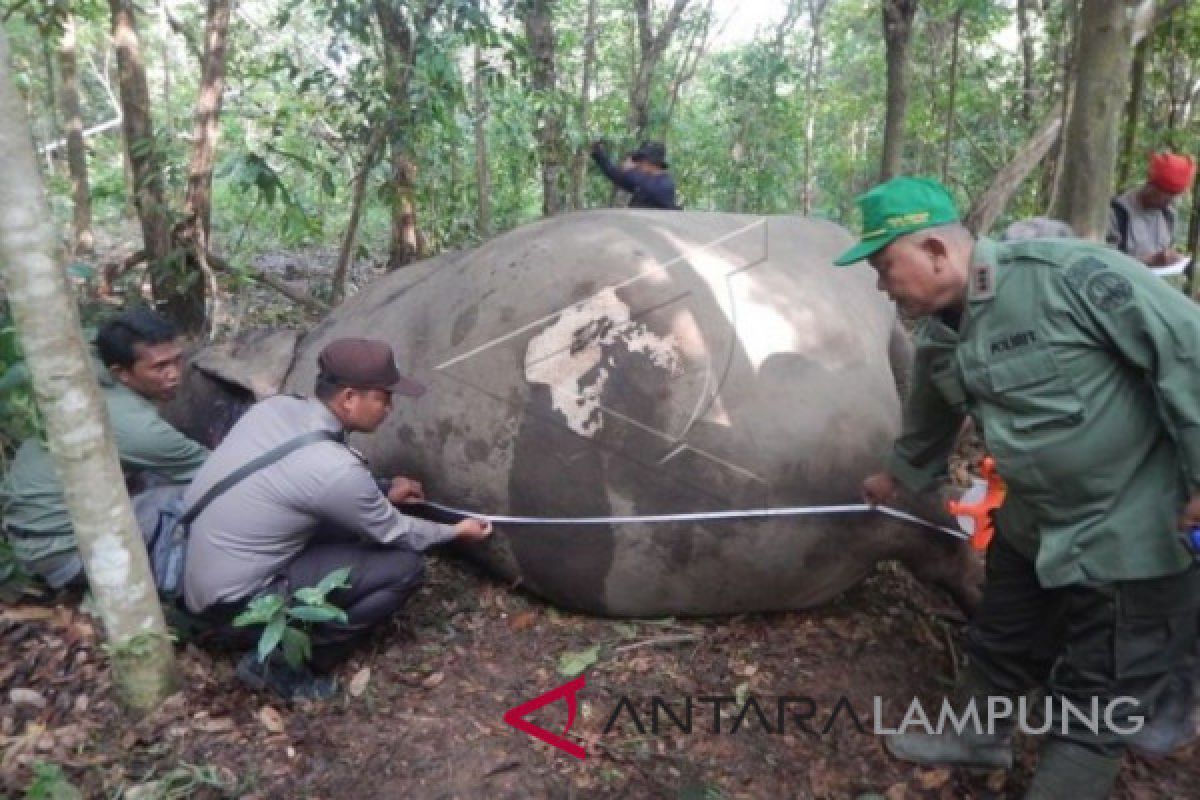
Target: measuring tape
{"x":705,"y":516}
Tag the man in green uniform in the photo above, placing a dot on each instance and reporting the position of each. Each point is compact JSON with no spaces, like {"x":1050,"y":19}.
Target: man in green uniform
{"x":1082,"y":372}
{"x":142,"y":366}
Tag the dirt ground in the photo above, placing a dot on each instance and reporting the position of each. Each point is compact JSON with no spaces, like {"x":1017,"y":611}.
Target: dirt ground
{"x":420,"y":711}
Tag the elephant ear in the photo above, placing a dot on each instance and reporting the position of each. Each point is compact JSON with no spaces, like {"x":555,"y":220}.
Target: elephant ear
{"x":258,"y":361}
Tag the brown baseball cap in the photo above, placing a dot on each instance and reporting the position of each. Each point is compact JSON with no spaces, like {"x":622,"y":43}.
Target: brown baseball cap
{"x":365,"y":364}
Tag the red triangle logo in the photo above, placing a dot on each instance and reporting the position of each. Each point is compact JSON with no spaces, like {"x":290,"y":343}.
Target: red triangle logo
{"x":516,"y":716}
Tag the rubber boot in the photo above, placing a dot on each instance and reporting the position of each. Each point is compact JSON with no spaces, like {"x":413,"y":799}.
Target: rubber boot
{"x":971,"y":748}
{"x":1066,"y":770}
{"x":1171,"y":726}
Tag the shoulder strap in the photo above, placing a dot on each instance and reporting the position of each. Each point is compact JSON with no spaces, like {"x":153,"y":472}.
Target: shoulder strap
{"x":250,"y":467}
{"x":1122,"y":215}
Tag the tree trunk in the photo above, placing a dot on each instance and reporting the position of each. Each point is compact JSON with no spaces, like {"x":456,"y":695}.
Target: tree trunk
{"x":812,"y":79}
{"x":538,"y":19}
{"x":950,"y":110}
{"x":180,"y":299}
{"x":897,"y":34}
{"x":1102,"y":61}
{"x":1027,"y":60}
{"x":400,"y":39}
{"x":1133,"y":110}
{"x":207,"y":129}
{"x":82,"y":240}
{"x":77,"y":433}
{"x":579,"y":163}
{"x":338,"y":291}
{"x":1193,"y":235}
{"x":991,"y":204}
{"x":483,"y":174}
{"x":651,"y":47}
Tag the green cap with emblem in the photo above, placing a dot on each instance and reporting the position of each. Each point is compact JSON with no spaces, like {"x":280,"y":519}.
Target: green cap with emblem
{"x":896,"y":207}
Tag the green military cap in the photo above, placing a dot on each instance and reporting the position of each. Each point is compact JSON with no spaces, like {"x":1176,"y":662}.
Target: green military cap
{"x":896,"y":207}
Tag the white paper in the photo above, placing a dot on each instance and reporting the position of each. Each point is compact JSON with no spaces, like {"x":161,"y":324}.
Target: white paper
{"x":1172,"y":269}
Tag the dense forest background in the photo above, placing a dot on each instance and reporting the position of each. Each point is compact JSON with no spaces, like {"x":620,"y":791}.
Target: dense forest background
{"x":392,"y":130}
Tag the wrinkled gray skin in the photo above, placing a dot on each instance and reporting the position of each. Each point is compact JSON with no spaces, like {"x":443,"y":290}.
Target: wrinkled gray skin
{"x":621,"y":363}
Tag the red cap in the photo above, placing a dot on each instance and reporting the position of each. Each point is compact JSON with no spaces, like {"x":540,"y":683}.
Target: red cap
{"x":1171,"y":173}
{"x":365,"y":364}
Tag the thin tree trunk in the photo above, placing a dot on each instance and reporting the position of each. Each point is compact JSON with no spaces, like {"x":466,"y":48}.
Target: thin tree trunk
{"x":77,"y":433}
{"x":1027,"y":60}
{"x":651,"y":47}
{"x":1133,"y":110}
{"x":988,"y":207}
{"x":950,"y":109}
{"x":580,"y":161}
{"x":483,"y":174}
{"x":897,"y":34}
{"x":812,"y":79}
{"x":407,"y":243}
{"x":687,"y":64}
{"x":51,"y":101}
{"x":1193,"y":235}
{"x":1102,"y":56}
{"x":207,"y":129}
{"x":184,"y":306}
{"x":538,"y":19}
{"x":164,"y":30}
{"x":378,"y":136}
{"x":82,"y":240}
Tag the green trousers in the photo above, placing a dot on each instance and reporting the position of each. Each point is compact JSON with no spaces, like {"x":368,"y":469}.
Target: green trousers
{"x":1086,"y":646}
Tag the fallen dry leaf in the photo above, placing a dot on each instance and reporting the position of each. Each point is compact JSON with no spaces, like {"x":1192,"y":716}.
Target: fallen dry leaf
{"x":27,"y":697}
{"x":522,"y":621}
{"x":896,"y":792}
{"x":214,"y":725}
{"x":434,"y":680}
{"x":932,"y":778}
{"x":358,"y":684}
{"x":270,"y":719}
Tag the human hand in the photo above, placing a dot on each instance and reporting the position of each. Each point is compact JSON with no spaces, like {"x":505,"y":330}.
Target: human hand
{"x":473,"y":530}
{"x":405,"y":490}
{"x":879,"y":489}
{"x":1190,"y":516}
{"x":598,"y":147}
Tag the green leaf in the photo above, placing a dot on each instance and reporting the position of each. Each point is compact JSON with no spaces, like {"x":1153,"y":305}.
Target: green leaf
{"x":49,"y":783}
{"x":15,"y":377}
{"x":297,"y":647}
{"x":271,"y":637}
{"x":315,"y":613}
{"x":338,"y":579}
{"x":260,"y":611}
{"x":574,"y":662}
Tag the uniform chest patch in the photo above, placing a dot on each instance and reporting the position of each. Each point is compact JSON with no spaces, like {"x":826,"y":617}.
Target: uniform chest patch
{"x":1078,"y":273}
{"x":1109,"y":291}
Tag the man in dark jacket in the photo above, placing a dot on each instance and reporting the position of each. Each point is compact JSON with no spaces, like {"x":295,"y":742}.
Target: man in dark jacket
{"x":644,"y":175}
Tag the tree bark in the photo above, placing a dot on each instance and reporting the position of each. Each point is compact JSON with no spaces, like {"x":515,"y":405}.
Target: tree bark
{"x":579,"y":163}
{"x":812,"y":79}
{"x":77,"y":432}
{"x":400,"y":39}
{"x":207,"y":129}
{"x":374,"y":145}
{"x":1133,"y":110}
{"x":897,"y":34}
{"x":950,"y":109}
{"x":82,"y":239}
{"x":1102,"y":61}
{"x":1027,"y":60}
{"x":180,"y":299}
{"x":483,"y":173}
{"x":538,"y":18}
{"x":988,"y":207}
{"x":651,"y":47}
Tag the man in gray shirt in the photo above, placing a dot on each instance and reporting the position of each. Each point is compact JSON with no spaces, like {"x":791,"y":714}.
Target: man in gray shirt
{"x":1141,"y":221}
{"x":315,"y":510}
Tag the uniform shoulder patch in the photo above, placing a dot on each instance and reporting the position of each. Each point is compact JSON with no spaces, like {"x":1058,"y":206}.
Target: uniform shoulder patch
{"x":1109,"y":291}
{"x":1078,"y":273}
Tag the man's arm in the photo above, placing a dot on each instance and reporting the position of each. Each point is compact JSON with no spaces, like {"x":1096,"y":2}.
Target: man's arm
{"x":627,"y":179}
{"x":1155,"y":328}
{"x":930,"y":429}
{"x":353,"y":502}
{"x":148,"y":443}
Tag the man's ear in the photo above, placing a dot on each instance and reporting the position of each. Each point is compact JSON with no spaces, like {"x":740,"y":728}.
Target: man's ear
{"x":120,"y":373}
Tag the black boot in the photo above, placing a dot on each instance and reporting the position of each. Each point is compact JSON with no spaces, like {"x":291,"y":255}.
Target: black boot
{"x":974,"y":747}
{"x":290,"y":683}
{"x":1066,"y":770}
{"x":1171,"y":725}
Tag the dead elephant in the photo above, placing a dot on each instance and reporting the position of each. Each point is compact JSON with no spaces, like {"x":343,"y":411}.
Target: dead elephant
{"x":619,"y":363}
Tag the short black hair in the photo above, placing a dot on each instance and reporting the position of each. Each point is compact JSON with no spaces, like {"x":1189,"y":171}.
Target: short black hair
{"x":326,"y":387}
{"x":116,"y":339}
